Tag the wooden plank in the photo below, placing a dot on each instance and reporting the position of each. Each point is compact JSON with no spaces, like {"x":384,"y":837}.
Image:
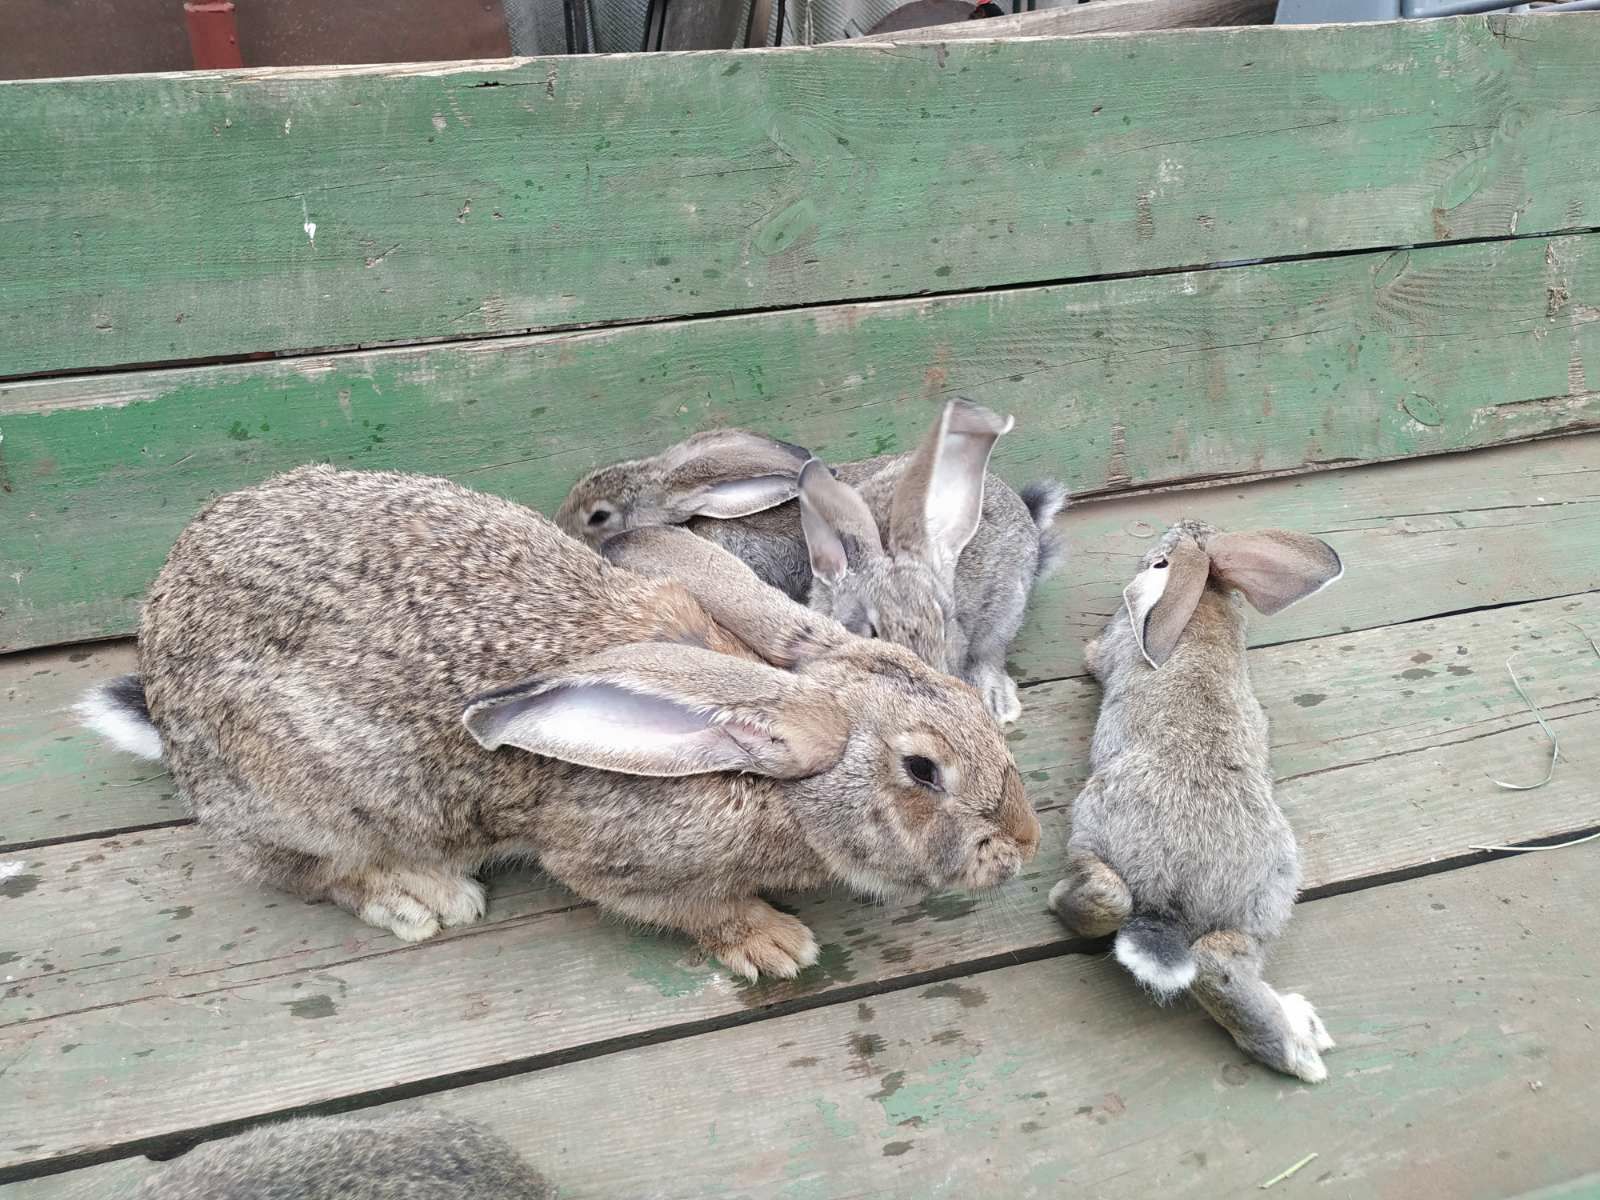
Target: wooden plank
{"x":113,"y":1179}
{"x":1424,"y":538}
{"x":55,"y":780}
{"x":172,"y":217}
{"x":141,"y":969}
{"x":1461,"y":1072}
{"x":1464,"y":1006}
{"x":1116,"y":385}
{"x":1103,"y":16}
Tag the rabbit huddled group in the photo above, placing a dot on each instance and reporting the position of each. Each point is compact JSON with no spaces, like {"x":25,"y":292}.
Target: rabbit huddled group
{"x":723,"y":671}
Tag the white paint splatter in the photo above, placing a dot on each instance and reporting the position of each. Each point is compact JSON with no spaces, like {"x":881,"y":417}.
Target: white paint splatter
{"x":288,"y":123}
{"x":310,"y":226}
{"x":8,"y":869}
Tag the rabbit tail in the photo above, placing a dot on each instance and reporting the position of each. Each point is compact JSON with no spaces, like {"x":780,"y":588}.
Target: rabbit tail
{"x":116,"y":710}
{"x":1046,"y":498}
{"x":1282,"y":1031}
{"x":1155,"y":949}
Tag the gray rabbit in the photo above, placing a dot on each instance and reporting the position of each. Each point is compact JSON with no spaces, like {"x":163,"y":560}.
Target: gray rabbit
{"x":926,"y":550}
{"x":368,"y":684}
{"x":401,"y":1156}
{"x":1177,"y":844}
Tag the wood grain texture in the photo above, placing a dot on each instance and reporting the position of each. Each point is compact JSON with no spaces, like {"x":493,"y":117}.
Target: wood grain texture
{"x":1103,"y":16}
{"x":140,"y":968}
{"x":1464,"y":1006}
{"x":173,"y":217}
{"x":1116,"y":385}
{"x":1422,"y":539}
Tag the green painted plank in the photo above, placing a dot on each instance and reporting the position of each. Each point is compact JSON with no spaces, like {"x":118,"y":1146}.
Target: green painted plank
{"x":141,"y":968}
{"x":1423,"y":538}
{"x":1116,"y":385}
{"x":163,"y":218}
{"x":1464,"y":1006}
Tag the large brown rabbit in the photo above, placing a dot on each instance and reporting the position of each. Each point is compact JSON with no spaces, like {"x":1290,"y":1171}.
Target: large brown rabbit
{"x":369,"y":684}
{"x":1177,"y":844}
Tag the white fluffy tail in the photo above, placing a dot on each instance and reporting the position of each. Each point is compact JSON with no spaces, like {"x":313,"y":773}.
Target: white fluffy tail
{"x":1157,"y":954}
{"x":116,"y":711}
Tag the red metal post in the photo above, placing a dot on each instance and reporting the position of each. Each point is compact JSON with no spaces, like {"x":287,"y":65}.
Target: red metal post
{"x":213,"y":36}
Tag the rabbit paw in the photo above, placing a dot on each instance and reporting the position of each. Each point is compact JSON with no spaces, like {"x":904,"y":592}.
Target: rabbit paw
{"x":770,"y":943}
{"x":999,"y":692}
{"x":415,"y":904}
{"x":1309,"y":1038}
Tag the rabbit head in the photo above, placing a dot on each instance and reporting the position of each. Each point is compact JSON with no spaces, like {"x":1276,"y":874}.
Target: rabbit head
{"x":899,"y":781}
{"x":1270,"y":568}
{"x":903,"y":592}
{"x":721,"y":473}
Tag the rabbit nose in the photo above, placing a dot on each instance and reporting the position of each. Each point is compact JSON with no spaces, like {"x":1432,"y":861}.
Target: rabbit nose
{"x":1018,"y":818}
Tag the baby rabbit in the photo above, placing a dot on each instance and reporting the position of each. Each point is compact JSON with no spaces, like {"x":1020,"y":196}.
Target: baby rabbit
{"x":369,"y":684}
{"x":404,"y":1156}
{"x":1177,"y":844}
{"x":950,"y":581}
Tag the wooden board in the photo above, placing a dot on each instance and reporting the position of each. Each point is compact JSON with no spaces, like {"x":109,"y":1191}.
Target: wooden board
{"x":1422,"y":539}
{"x":173,"y":217}
{"x":141,"y":969}
{"x":56,"y":780}
{"x":1464,"y":1006}
{"x":1461,"y":1071}
{"x":1116,"y":385}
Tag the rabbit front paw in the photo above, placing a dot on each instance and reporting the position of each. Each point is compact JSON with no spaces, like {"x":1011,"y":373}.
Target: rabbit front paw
{"x":765,"y":942}
{"x":413,"y":903}
{"x":999,"y":692}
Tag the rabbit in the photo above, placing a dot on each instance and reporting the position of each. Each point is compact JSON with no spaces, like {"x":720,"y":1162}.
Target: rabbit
{"x":400,"y":1156}
{"x":1177,"y":844}
{"x":368,"y":684}
{"x":963,"y":552}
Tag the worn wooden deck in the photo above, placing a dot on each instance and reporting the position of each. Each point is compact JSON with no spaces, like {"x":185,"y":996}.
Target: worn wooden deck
{"x":1429,"y":410}
{"x":953,"y":1048}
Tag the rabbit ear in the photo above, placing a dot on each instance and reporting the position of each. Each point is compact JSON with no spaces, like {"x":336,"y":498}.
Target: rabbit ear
{"x":771,"y":624}
{"x":728,"y":473}
{"x":1273,"y":567}
{"x":939,"y":500}
{"x":1162,"y":598}
{"x":838,"y":525}
{"x":666,"y":710}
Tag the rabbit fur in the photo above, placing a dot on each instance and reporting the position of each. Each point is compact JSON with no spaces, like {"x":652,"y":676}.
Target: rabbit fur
{"x":368,"y":684}
{"x":926,"y":549}
{"x":1177,"y":844}
{"x":403,"y":1156}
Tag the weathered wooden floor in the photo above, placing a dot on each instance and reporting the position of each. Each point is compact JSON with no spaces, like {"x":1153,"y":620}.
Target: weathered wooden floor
{"x":949,"y":1049}
{"x":1344,"y":279}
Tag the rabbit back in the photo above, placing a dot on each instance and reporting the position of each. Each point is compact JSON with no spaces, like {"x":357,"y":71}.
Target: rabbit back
{"x":404,"y":1156}
{"x":1179,"y":802}
{"x":309,"y":644}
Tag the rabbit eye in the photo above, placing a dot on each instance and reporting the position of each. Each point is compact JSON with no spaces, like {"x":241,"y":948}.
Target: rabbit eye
{"x":599,"y":516}
{"x":1159,"y":565}
{"x":924,"y":770}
